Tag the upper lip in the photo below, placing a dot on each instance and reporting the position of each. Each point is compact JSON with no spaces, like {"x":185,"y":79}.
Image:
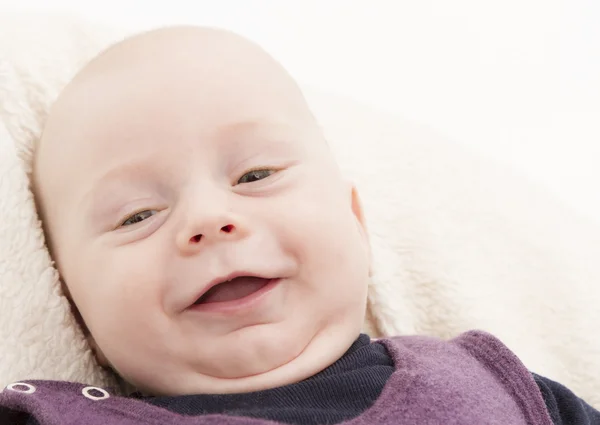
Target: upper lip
{"x":222,"y":279}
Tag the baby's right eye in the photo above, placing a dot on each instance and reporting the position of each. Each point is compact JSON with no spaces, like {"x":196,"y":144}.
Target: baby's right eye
{"x":138,"y":217}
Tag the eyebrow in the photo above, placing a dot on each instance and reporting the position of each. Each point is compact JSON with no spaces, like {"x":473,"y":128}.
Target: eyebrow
{"x":252,"y":125}
{"x":128,"y":171}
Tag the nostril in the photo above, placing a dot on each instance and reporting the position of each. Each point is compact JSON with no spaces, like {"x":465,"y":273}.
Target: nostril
{"x":227,"y":229}
{"x":196,"y":238}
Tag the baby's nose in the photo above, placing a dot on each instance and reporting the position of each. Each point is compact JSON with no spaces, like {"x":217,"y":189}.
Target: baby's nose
{"x":227,"y":229}
{"x":202,"y":231}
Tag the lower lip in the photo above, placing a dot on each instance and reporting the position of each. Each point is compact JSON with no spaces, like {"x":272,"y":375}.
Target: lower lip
{"x":235,"y":306}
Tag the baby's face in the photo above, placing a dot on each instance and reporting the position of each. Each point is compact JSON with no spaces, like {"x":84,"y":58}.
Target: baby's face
{"x":176,"y":161}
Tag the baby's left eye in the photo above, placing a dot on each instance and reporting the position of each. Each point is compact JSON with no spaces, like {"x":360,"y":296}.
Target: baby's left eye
{"x":254,"y":175}
{"x":138,"y":217}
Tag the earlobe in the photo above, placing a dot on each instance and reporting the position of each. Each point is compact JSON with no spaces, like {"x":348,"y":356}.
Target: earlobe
{"x":358,"y":213}
{"x":357,"y":209}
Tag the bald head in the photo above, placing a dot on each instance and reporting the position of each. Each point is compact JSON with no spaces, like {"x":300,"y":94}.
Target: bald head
{"x":133,"y":89}
{"x":201,"y":47}
{"x":216,"y":56}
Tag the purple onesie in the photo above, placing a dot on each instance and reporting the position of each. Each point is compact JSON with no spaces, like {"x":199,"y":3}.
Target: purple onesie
{"x":472,"y":379}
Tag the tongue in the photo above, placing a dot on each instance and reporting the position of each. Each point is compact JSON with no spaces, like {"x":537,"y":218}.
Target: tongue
{"x":237,"y":288}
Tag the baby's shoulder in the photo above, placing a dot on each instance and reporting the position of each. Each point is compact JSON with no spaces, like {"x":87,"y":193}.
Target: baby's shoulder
{"x":468,"y":340}
{"x":475,"y":349}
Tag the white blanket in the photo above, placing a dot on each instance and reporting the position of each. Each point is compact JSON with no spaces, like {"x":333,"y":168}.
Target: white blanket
{"x":458,"y":242}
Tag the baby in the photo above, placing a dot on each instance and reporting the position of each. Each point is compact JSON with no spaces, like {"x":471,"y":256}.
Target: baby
{"x":218,"y":261}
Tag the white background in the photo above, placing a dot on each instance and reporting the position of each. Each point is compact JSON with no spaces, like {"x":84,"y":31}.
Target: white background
{"x":517,"y":80}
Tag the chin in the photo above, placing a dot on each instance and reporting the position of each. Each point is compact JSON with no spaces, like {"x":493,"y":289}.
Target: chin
{"x":278,"y":356}
{"x":281,"y":361}
{"x":250,"y":353}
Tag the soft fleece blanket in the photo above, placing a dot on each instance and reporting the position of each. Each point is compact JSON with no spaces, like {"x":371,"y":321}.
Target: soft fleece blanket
{"x":458,"y":242}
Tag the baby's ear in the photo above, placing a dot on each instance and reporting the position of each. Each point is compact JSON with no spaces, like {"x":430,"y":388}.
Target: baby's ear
{"x":356,"y":206}
{"x":358,"y":212}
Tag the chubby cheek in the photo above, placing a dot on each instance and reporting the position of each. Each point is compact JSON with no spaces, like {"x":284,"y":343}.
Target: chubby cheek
{"x":119,"y":298}
{"x":323,"y":234}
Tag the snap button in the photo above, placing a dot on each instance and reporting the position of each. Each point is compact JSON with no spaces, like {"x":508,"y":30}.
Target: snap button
{"x":100,"y":394}
{"x":21,"y":387}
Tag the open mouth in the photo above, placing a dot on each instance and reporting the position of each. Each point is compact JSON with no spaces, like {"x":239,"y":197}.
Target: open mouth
{"x":234,"y":289}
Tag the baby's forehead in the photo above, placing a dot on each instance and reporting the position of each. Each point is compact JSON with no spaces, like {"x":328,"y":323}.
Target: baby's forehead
{"x":211,"y":55}
{"x":155,"y":76}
